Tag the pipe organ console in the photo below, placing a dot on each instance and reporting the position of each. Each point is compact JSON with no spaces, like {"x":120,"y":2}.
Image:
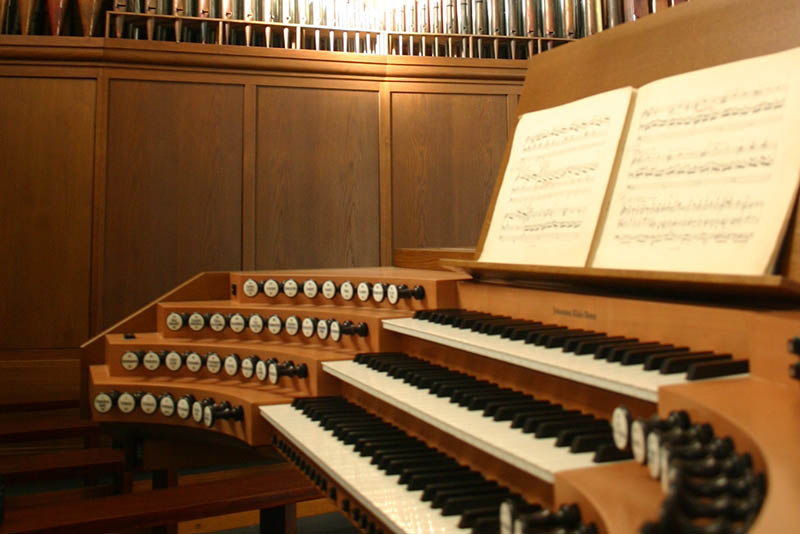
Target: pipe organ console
{"x":423,"y":401}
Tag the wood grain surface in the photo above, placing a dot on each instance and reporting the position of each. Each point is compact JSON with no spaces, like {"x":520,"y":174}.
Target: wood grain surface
{"x":174,"y":188}
{"x":46,"y":149}
{"x":316,"y":178}
{"x":446,"y":151}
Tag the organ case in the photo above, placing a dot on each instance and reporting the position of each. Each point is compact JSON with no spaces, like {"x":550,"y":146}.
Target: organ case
{"x":754,"y":406}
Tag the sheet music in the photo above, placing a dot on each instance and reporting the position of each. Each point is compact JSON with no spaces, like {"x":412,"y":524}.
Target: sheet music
{"x":709,"y":171}
{"x":555,"y":181}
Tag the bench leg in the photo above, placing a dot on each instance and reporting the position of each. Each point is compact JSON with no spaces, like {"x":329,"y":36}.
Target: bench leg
{"x":165,"y":478}
{"x":278,"y":520}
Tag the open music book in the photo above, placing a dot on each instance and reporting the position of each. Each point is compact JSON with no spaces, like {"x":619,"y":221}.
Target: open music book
{"x":692,"y":173}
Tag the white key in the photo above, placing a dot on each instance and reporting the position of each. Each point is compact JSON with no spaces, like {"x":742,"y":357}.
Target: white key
{"x":399,"y":509}
{"x":540,"y":457}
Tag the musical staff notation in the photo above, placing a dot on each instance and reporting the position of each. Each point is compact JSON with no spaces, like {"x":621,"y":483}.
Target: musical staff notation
{"x":707,"y":176}
{"x":555,"y":181}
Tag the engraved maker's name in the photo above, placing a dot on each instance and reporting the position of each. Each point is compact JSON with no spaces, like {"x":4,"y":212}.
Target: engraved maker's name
{"x":583,"y":314}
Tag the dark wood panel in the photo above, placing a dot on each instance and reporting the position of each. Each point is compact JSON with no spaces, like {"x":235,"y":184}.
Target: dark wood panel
{"x":46,"y":150}
{"x":316,"y":178}
{"x":174,"y":188}
{"x":48,"y":382}
{"x":446,"y":151}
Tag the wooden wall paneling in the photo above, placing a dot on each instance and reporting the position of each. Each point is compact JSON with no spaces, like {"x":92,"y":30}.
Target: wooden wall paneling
{"x":385,"y":218}
{"x":317,"y":173}
{"x":446,"y":151}
{"x":249,"y":179}
{"x":512,"y":103}
{"x":44,"y":378}
{"x":46,"y":146}
{"x":99,"y":202}
{"x":174,"y":188}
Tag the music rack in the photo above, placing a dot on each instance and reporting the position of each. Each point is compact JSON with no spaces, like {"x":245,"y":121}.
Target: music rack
{"x":661,"y":36}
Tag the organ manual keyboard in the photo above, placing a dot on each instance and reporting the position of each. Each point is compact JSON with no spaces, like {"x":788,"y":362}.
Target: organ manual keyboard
{"x":430,"y":436}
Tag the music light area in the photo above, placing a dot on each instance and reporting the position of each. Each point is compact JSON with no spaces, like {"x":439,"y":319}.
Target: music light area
{"x":414,"y":289}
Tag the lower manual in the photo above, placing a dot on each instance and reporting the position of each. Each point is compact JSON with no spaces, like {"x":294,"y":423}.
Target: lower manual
{"x":387,"y":481}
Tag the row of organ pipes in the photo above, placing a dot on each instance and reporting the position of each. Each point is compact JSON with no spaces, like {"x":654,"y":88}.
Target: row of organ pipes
{"x":385,"y":26}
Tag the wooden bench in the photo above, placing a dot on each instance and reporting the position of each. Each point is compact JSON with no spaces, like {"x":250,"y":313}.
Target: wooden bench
{"x":72,"y":463}
{"x":41,"y":426}
{"x":274,"y":492}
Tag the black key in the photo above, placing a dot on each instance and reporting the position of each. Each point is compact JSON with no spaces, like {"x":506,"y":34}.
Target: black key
{"x":422,"y":374}
{"x":493,"y":393}
{"x":420,"y":481}
{"x":401,"y":466}
{"x":470,"y":517}
{"x":380,"y":452}
{"x":590,"y":442}
{"x":510,"y":330}
{"x":486,"y":525}
{"x":365,"y":446}
{"x":590,"y":346}
{"x":540,"y":337}
{"x":498,"y":328}
{"x":427,"y":380}
{"x":409,"y":473}
{"x":680,"y":364}
{"x":493,"y":328}
{"x":350,"y":438}
{"x":630,"y":354}
{"x":430,"y":380}
{"x":383,"y":460}
{"x":429,"y":314}
{"x":365,"y":357}
{"x":610,"y":453}
{"x":465,"y":392}
{"x":431,"y":490}
{"x":566,"y":437}
{"x":479,"y":402}
{"x":457,"y":505}
{"x":614,"y":354}
{"x":492,"y":407}
{"x":700,"y":371}
{"x":654,"y":361}
{"x":532,"y":421}
{"x":636,"y":357}
{"x":567,"y":516}
{"x":602,"y":349}
{"x":571,"y":345}
{"x":552,"y":429}
{"x":465,"y":322}
{"x":479,"y":325}
{"x":559,"y":340}
{"x":520,"y":417}
{"x":442,"y":496}
{"x":400,"y":370}
{"x":448,"y":316}
{"x":525,"y":331}
{"x":532,"y":425}
{"x":445,"y":389}
{"x":373,"y":449}
{"x":328,"y":422}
